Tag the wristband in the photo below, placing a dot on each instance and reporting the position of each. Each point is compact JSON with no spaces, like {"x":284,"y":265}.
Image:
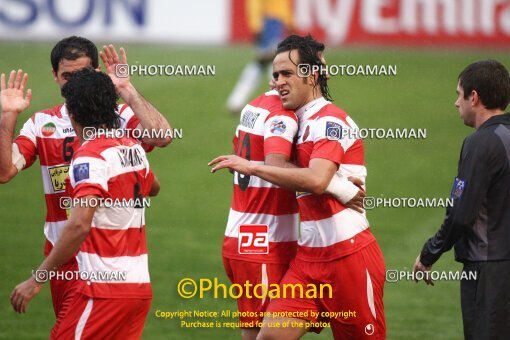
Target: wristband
{"x":343,"y":189}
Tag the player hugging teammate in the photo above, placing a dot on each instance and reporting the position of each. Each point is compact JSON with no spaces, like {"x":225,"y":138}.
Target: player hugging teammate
{"x":335,"y":243}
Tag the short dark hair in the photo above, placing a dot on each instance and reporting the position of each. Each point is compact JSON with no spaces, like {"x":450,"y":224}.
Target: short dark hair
{"x":91,"y":99}
{"x":72,"y":48}
{"x":309,"y":51}
{"x":490,"y":79}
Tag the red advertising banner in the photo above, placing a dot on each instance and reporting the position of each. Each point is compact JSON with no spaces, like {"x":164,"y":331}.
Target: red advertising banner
{"x":471,"y":23}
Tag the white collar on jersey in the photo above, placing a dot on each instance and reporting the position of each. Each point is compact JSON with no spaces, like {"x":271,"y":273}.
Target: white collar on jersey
{"x":63,"y":111}
{"x":311,"y":108}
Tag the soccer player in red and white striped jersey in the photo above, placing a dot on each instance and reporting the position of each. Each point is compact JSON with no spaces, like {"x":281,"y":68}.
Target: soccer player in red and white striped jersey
{"x":336,"y":245}
{"x":49,"y":136}
{"x":261,"y":234}
{"x":109,"y":238}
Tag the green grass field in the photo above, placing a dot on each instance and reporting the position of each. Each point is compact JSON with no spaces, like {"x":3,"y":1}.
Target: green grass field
{"x":186,"y":221}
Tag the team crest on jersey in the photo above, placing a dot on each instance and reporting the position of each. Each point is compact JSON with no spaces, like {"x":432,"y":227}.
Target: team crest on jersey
{"x":81,"y":172}
{"x":48,"y":129}
{"x":459,"y":185}
{"x":58,"y":175}
{"x":333,"y":131}
{"x":278,"y":127}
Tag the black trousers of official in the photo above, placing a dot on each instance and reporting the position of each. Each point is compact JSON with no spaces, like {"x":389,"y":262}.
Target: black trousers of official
{"x":485,"y":301}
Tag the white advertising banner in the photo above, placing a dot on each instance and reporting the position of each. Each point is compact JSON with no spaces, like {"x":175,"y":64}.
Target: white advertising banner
{"x":175,"y":21}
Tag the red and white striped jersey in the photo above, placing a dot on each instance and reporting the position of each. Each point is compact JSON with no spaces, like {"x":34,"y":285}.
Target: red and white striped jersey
{"x":257,"y":205}
{"x":49,"y":135}
{"x":115,"y":169}
{"x":328,"y":230}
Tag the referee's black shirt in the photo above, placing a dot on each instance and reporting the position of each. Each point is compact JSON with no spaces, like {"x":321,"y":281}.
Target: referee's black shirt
{"x":478,"y":223}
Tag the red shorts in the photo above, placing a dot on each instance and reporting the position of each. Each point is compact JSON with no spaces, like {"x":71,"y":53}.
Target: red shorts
{"x":355,"y":309}
{"x":63,"y":292}
{"x":92,"y":318}
{"x":239,"y":272}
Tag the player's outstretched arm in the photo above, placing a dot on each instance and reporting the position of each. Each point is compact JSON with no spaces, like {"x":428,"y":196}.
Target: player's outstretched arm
{"x":150,"y":118}
{"x":13,"y":101}
{"x":347,"y":191}
{"x":279,"y":160}
{"x":314,"y":179}
{"x":74,"y":233}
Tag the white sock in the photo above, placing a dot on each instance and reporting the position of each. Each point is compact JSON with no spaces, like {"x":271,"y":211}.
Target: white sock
{"x":248,"y":82}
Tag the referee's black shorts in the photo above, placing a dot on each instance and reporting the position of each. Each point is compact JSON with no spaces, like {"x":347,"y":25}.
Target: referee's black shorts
{"x":486,"y":301}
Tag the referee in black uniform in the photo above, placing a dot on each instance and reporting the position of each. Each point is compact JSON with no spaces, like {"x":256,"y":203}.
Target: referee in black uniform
{"x":478,"y":223}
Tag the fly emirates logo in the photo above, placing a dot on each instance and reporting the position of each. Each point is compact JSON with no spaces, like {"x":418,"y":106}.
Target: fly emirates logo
{"x":339,"y":17}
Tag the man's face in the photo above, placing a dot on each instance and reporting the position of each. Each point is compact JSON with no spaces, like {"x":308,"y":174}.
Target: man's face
{"x":295,"y":92}
{"x":464,"y":106}
{"x":67,"y":67}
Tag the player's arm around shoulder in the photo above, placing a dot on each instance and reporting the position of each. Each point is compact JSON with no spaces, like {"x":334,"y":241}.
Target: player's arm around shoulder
{"x":13,"y":101}
{"x":313,"y":179}
{"x":321,"y":172}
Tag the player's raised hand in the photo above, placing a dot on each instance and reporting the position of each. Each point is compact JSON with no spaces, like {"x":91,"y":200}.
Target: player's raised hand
{"x":117,"y":68}
{"x":23,"y":293}
{"x":420,"y":267}
{"x":233,"y":162}
{"x":12,"y":94}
